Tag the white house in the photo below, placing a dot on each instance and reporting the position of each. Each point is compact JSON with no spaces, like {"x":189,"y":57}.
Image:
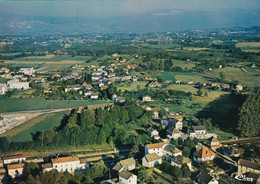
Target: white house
{"x":147,"y":99}
{"x":239,"y":87}
{"x":3,"y":88}
{"x":16,"y":84}
{"x":75,"y":87}
{"x":203,"y":155}
{"x":155,"y":148}
{"x":15,"y":170}
{"x":27,"y":71}
{"x":127,"y":164}
{"x":180,"y":160}
{"x":213,"y":143}
{"x":94,"y":96}
{"x":174,"y":133}
{"x":195,"y":131}
{"x":153,"y":133}
{"x":70,"y":164}
{"x":151,"y":160}
{"x":126,"y":177}
{"x":18,"y":158}
{"x":155,"y":115}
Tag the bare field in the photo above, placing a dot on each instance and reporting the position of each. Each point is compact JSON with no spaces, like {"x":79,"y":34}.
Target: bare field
{"x":248,"y":44}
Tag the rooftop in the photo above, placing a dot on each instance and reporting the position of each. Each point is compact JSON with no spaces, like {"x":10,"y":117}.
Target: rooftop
{"x":125,"y":174}
{"x":204,"y":177}
{"x":204,"y":152}
{"x":15,"y":166}
{"x":7,"y":157}
{"x":127,"y":162}
{"x":246,"y":163}
{"x":65,"y":159}
{"x":152,"y":157}
{"x":155,"y":145}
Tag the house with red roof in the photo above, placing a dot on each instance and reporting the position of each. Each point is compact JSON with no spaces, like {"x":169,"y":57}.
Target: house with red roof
{"x":204,"y":154}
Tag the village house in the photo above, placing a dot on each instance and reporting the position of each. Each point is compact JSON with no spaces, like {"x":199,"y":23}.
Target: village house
{"x":239,"y":87}
{"x":162,"y":149}
{"x":62,"y":164}
{"x":18,"y":158}
{"x":155,"y":148}
{"x":4,"y":70}
{"x":87,"y":86}
{"x":115,"y":98}
{"x":15,"y":170}
{"x":173,"y":133}
{"x":204,"y":154}
{"x":213,"y":143}
{"x":146,"y":99}
{"x":3,"y":88}
{"x":39,"y":80}
{"x":204,"y":178}
{"x":171,"y":151}
{"x":197,"y":130}
{"x":126,"y":177}
{"x":152,"y":133}
{"x":16,"y":84}
{"x":75,"y":87}
{"x":154,"y":84}
{"x":245,"y":166}
{"x":27,"y":71}
{"x":225,"y":86}
{"x":151,"y":160}
{"x":180,"y":160}
{"x":155,"y":114}
{"x":127,"y":164}
{"x":94,"y":96}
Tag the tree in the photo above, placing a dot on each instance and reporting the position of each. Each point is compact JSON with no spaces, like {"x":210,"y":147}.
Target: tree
{"x":185,"y":171}
{"x":186,"y":151}
{"x":222,"y":76}
{"x":4,"y":144}
{"x":249,"y":115}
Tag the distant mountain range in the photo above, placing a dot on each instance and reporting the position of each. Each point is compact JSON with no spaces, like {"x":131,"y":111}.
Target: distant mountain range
{"x":153,"y":21}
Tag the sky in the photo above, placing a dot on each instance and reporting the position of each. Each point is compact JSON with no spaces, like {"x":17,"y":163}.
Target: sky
{"x":114,"y":8}
{"x":127,"y":15}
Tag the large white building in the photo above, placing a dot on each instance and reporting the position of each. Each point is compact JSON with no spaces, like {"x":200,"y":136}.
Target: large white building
{"x":16,"y":84}
{"x":18,"y":158}
{"x":62,"y":164}
{"x":162,"y":149}
{"x":27,"y":71}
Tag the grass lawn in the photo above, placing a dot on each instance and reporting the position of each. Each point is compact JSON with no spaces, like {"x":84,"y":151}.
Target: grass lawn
{"x":212,"y":95}
{"x":249,"y":78}
{"x":179,"y":87}
{"x":190,"y":77}
{"x":20,"y":104}
{"x":47,"y":122}
{"x":222,"y":135}
{"x":168,"y":76}
{"x":132,"y":86}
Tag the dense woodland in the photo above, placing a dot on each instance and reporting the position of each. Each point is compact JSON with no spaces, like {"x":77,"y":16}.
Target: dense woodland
{"x":117,"y":125}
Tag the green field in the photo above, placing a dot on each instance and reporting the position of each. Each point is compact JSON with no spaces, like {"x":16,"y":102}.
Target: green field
{"x":168,"y":76}
{"x":132,"y":86}
{"x":185,"y":88}
{"x":250,"y":78}
{"x":12,"y":105}
{"x":51,"y":121}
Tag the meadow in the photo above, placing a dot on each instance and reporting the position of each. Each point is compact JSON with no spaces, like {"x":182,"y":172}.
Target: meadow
{"x":20,"y":104}
{"x":133,"y":86}
{"x":48,"y":122}
{"x":249,"y":46}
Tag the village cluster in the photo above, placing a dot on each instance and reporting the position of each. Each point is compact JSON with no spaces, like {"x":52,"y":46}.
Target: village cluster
{"x":154,"y":154}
